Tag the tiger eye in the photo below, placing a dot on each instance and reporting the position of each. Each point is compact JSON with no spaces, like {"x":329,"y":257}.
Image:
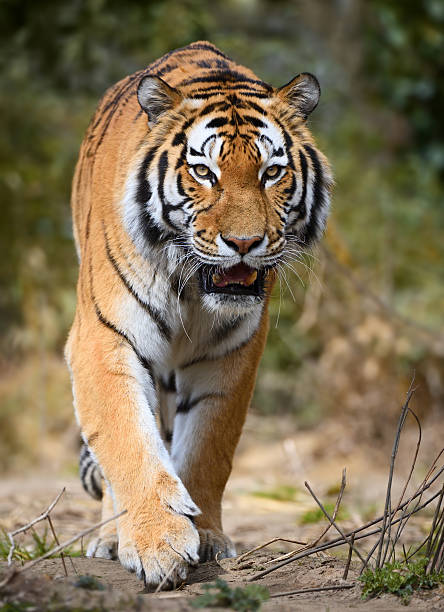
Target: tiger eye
{"x":202,"y":171}
{"x":272,"y":171}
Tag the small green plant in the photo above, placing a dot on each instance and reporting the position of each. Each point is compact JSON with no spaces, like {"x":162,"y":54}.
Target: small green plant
{"x":19,"y":606}
{"x":219,"y":595}
{"x":90,"y":583}
{"x":400,"y":578}
{"x":316,"y":515}
{"x":279,"y":493}
{"x":39,"y":547}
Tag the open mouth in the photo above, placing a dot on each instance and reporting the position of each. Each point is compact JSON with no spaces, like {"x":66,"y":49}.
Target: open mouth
{"x":237,"y":280}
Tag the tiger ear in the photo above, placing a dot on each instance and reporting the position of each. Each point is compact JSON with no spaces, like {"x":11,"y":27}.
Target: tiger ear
{"x":156,"y":97}
{"x":302,"y":93}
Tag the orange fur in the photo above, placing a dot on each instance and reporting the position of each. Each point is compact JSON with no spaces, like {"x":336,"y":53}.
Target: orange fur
{"x":105,"y":363}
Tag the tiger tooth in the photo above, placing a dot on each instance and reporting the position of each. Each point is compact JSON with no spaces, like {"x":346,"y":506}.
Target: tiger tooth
{"x":217,"y":278}
{"x":250,"y":280}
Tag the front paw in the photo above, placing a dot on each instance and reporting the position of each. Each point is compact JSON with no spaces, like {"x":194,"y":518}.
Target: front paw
{"x":214,"y":544}
{"x":161,"y":550}
{"x":158,"y":539}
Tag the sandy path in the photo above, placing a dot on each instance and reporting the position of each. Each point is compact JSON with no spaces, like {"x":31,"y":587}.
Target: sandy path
{"x":261,"y":464}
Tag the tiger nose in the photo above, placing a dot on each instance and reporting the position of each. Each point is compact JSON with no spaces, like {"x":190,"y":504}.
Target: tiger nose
{"x":242,"y":245}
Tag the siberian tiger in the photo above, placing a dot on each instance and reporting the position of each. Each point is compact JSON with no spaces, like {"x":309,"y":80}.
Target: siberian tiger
{"x":195,"y":180}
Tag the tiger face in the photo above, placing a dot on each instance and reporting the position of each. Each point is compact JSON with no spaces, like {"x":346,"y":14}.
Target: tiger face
{"x":235,"y":183}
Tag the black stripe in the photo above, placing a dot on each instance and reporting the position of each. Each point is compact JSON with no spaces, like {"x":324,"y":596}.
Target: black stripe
{"x":153,"y":235}
{"x":185,"y":405}
{"x":204,"y":94}
{"x":217,"y":122}
{"x":100,"y":316}
{"x":215,"y":106}
{"x":224,"y":331}
{"x":169,"y":385}
{"x":178,"y":139}
{"x":98,"y":491}
{"x":301,"y":205}
{"x":288,"y":143}
{"x":311,"y":230}
{"x":256,"y":107}
{"x":180,"y":189}
{"x":207,"y":47}
{"x":254,"y":121}
{"x":224,"y":76}
{"x":203,"y":64}
{"x":166,"y":69}
{"x":84,"y":468}
{"x":162,"y":167}
{"x":203,"y":358}
{"x":154,"y":313}
{"x":184,"y":51}
{"x":290,"y":190}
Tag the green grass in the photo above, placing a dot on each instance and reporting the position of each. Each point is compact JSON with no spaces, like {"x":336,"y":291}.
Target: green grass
{"x":399,"y":578}
{"x":39,"y":546}
{"x":279,"y":493}
{"x":219,"y":595}
{"x":316,"y":515}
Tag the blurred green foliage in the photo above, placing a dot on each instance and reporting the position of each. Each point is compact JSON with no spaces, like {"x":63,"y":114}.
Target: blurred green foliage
{"x":380,"y":122}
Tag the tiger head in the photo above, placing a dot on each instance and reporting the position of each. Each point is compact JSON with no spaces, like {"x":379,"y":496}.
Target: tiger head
{"x":234,"y":181}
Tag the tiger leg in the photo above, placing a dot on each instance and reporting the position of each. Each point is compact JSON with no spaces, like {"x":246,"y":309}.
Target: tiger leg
{"x":206,"y":432}
{"x":113,"y":393}
{"x":105,"y":545}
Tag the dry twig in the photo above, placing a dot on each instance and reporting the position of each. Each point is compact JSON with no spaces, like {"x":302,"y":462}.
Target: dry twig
{"x":314,"y":590}
{"x":42,"y":517}
{"x":349,"y":558}
{"x":304,"y":545}
{"x":333,"y":522}
{"x":272,"y":541}
{"x":388,"y":498}
{"x":58,"y":549}
{"x":340,"y":541}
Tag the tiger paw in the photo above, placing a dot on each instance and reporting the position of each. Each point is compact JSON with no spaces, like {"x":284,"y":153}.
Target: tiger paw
{"x":157,"y":539}
{"x":103,"y":548}
{"x":214,"y":544}
{"x":162,"y":552}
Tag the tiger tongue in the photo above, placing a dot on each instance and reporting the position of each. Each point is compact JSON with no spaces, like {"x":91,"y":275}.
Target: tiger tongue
{"x":240,"y":274}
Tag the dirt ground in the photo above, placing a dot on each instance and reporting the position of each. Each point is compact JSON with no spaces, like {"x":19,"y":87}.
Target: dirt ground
{"x":273,"y":458}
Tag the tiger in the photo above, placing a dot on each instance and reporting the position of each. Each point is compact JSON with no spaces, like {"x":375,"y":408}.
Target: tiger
{"x":195,"y":181}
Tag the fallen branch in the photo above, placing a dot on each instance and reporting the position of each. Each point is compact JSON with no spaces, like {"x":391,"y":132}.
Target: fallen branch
{"x":314,"y":590}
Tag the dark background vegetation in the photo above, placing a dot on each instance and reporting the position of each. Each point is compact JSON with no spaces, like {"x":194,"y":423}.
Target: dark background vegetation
{"x":345,"y":346}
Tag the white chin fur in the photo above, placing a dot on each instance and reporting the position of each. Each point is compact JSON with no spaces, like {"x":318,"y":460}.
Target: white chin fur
{"x":230,"y":304}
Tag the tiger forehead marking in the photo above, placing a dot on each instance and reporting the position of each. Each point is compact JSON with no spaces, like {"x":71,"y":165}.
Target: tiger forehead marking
{"x":216,"y":139}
